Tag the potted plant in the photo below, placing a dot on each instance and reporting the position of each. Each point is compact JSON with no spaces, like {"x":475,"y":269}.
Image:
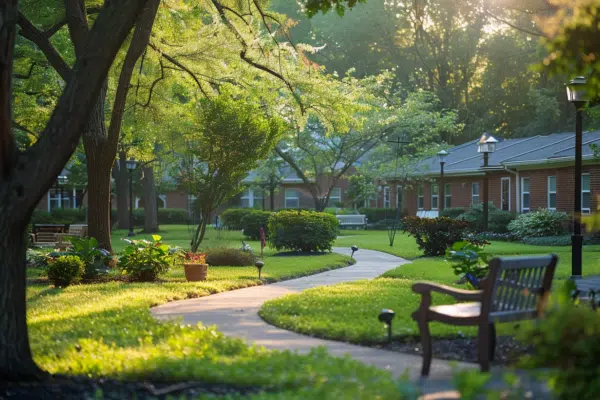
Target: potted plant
{"x":195,"y":266}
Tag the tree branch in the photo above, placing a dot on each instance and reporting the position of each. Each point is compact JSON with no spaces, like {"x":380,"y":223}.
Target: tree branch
{"x":180,"y":65}
{"x":529,"y":32}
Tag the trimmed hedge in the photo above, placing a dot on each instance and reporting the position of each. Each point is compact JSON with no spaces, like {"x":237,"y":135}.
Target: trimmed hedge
{"x":166,"y":216}
{"x":229,"y":257}
{"x":435,"y":235}
{"x":563,"y":240}
{"x":378,"y":214}
{"x":252,"y":222}
{"x":453,"y":213}
{"x":232,"y":218}
{"x":498,"y":220}
{"x":539,"y":223}
{"x":302,"y":230}
{"x":64,"y":270}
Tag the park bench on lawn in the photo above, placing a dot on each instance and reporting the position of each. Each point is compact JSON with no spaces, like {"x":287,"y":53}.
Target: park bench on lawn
{"x":352,"y":221}
{"x":515,"y":289}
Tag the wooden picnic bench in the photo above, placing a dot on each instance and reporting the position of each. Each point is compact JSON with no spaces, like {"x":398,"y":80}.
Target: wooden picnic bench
{"x":352,"y":220}
{"x":515,"y":288}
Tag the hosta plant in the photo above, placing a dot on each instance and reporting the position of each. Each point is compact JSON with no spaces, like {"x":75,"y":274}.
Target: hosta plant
{"x":144,"y":260}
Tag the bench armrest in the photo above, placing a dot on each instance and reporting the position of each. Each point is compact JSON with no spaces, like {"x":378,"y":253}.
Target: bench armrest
{"x":458,"y":294}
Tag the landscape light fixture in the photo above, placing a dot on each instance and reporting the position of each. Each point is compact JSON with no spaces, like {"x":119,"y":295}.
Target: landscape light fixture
{"x":354,"y":248}
{"x":259,"y":265}
{"x":386,"y":316}
{"x":578,"y":95}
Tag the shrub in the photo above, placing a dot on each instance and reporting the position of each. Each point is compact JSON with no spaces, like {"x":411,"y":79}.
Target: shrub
{"x":387,"y":223}
{"x":232,"y":218}
{"x":498,"y":220}
{"x":485,"y":236}
{"x":37,"y":258}
{"x":340,"y":211}
{"x":64,"y":270}
{"x":143,"y":260}
{"x":435,"y":235}
{"x":453,"y":213}
{"x":377,"y":214}
{"x":59,"y":216}
{"x":253,"y":221}
{"x":469,"y":258}
{"x":539,"y":223}
{"x":94,"y":257}
{"x":302,"y":230}
{"x":226,"y":256}
{"x":563,"y":240}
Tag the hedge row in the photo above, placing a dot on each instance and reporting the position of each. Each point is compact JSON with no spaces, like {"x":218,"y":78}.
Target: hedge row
{"x":378,"y":214}
{"x":166,"y":216}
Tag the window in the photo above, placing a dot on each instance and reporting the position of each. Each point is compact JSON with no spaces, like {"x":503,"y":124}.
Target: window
{"x":505,"y":194}
{"x":58,"y":198}
{"x":585,"y":194}
{"x":245,"y":199}
{"x":551,"y":193}
{"x":475,"y":193}
{"x":420,"y":197}
{"x":291,"y":198}
{"x":434,"y":196}
{"x":335,"y":197}
{"x":447,"y":195}
{"x":399,"y":197}
{"x":386,"y":197}
{"x":525,"y":196}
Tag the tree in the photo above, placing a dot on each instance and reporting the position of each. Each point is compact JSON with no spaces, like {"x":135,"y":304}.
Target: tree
{"x":361,"y":188}
{"x":233,"y":134}
{"x":25,"y":176}
{"x":269,"y":175}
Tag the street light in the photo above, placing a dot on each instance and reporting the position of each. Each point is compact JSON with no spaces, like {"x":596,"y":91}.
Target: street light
{"x":442,"y":158}
{"x":131,"y":166}
{"x":578,"y":95}
{"x":486,"y":145}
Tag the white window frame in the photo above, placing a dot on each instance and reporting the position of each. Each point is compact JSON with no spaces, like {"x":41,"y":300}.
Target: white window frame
{"x":502,"y":180}
{"x":387,"y":203}
{"x":286,"y":198}
{"x":436,"y":196}
{"x":473,"y":195}
{"x":447,"y":195}
{"x":552,"y":193}
{"x":420,"y":197}
{"x":335,"y":199}
{"x":523,"y":193}
{"x":586,"y":210}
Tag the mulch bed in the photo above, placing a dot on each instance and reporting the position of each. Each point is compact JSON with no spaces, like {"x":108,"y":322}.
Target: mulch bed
{"x":508,"y":349}
{"x":84,"y":388}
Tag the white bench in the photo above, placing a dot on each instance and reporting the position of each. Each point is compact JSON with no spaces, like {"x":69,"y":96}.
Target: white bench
{"x":427,"y":214}
{"x":356,"y":221}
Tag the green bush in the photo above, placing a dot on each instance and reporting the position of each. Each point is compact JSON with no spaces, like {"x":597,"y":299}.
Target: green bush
{"x":386,"y":223}
{"x":253,"y":221}
{"x":229,"y":257}
{"x":59,"y":216}
{"x":93,"y":256}
{"x":37,"y":258}
{"x":469,"y":258}
{"x":302,"y":230}
{"x":64,"y":270}
{"x":143,"y":260}
{"x":377,"y":214}
{"x":435,"y":235}
{"x":498,"y":220}
{"x":563,"y":240}
{"x":453,"y":213}
{"x":232,"y":218}
{"x":340,"y":211}
{"x":539,"y":223}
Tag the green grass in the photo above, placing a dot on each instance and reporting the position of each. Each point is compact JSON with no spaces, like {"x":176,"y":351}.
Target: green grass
{"x":348,"y":311}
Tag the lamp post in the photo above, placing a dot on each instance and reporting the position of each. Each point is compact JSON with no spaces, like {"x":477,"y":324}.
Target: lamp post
{"x":486,"y":145}
{"x":577,"y":94}
{"x":131,"y":166}
{"x":442,"y":158}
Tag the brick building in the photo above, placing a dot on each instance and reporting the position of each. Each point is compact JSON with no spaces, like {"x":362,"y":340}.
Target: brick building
{"x":523,"y":174}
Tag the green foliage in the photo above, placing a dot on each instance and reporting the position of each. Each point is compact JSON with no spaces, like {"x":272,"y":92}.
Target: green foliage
{"x":567,"y":340}
{"x":538,"y":223}
{"x":232,"y":217}
{"x":37,"y":258}
{"x":361,"y":188}
{"x":469,"y":258}
{"x":453,"y":213}
{"x":378,"y":214}
{"x":302,"y":230}
{"x":498,"y":220}
{"x":64,"y":270}
{"x":312,"y":7}
{"x":144,"y":260}
{"x":59,"y":216}
{"x":563,"y":240}
{"x":435,"y":235}
{"x":229,"y":257}
{"x":95,"y":258}
{"x":252,"y":222}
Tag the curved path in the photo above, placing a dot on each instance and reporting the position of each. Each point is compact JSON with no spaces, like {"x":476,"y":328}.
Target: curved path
{"x":235,"y":313}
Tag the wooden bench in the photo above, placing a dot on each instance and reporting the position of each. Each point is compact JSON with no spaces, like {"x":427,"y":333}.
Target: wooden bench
{"x":352,"y":220}
{"x":43,"y":239}
{"x":75,"y":230}
{"x":427,"y":214}
{"x":515,"y":289}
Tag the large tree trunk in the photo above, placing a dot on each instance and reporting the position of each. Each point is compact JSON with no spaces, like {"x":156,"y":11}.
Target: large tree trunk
{"x":150,"y":203}
{"x":121,"y":183}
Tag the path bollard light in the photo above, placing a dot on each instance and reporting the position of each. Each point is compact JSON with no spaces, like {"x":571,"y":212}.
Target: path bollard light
{"x":354,"y":248}
{"x":386,"y":316}
{"x":259,"y":265}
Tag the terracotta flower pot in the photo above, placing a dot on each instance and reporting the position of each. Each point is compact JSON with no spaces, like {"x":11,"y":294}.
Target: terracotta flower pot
{"x":195,"y":272}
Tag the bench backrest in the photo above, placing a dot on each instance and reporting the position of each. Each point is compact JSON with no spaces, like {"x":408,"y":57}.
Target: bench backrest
{"x":427,"y":214}
{"x":516,"y":288}
{"x":351,"y":219}
{"x":45,"y":237}
{"x":78,"y":230}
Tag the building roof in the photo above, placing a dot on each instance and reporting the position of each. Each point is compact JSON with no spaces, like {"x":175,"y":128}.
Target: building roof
{"x":535,"y":151}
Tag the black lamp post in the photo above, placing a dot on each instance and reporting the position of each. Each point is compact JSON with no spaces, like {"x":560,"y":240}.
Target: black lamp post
{"x":486,"y":145}
{"x":577,"y":94}
{"x":131,"y":166}
{"x":259,"y":266}
{"x":353,"y":248}
{"x":442,"y":158}
{"x":386,"y":316}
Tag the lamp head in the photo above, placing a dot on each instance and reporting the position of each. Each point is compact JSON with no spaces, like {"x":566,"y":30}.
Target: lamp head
{"x":354,"y":248}
{"x":577,"y":92}
{"x":131,"y":164}
{"x":487,"y":144}
{"x":442,"y":156}
{"x":259,"y":264}
{"x":386,"y":316}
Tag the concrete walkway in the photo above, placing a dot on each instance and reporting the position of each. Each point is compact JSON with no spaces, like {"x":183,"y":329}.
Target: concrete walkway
{"x":235,"y":313}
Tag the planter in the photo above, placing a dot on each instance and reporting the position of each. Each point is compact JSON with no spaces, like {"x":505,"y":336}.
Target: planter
{"x":195,"y":272}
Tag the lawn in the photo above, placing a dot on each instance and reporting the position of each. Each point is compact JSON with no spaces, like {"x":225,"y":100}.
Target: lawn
{"x":348,"y":312}
{"x":106,"y":330}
